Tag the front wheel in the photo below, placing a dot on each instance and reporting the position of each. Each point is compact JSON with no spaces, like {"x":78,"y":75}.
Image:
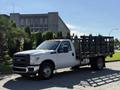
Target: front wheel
{"x":25,"y":76}
{"x":45,"y":71}
{"x":75,"y":68}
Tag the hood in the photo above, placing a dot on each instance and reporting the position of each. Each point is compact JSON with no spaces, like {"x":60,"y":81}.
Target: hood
{"x":34,"y":52}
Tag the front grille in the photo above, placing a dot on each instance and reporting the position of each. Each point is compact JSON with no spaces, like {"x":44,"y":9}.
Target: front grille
{"x":20,"y":65}
{"x":19,"y":69}
{"x":21,"y":60}
{"x":30,"y":69}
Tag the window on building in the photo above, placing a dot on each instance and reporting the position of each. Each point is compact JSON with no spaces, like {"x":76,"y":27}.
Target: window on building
{"x":45,"y":21}
{"x":41,"y":21}
{"x":27,"y":21}
{"x":31,"y":30}
{"x":22,"y":22}
{"x":45,"y":29}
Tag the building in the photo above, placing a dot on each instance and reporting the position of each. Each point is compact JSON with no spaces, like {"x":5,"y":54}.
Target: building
{"x":41,"y":22}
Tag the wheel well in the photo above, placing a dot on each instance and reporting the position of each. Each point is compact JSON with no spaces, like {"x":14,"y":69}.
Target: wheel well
{"x":49,"y":61}
{"x":93,"y":60}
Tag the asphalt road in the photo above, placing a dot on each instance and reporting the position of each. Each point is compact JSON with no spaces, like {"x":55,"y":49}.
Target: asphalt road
{"x":65,"y":79}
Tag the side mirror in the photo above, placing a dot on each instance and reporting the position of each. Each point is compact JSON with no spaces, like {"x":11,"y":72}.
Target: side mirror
{"x":65,"y":49}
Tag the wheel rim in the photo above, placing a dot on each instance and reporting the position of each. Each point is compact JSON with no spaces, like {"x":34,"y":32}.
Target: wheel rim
{"x":47,"y":71}
{"x":100,"y":63}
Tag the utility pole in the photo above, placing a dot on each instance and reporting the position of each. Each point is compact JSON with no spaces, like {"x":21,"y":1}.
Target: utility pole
{"x":13,"y":7}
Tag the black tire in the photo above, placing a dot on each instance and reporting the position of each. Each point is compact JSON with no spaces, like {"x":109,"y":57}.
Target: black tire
{"x":97,"y":63}
{"x":100,"y":63}
{"x":45,"y":71}
{"x":75,"y":68}
{"x":92,"y":63}
{"x":25,"y":76}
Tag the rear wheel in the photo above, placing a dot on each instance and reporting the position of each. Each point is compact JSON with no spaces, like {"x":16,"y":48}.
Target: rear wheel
{"x":98,"y":63}
{"x":45,"y":71}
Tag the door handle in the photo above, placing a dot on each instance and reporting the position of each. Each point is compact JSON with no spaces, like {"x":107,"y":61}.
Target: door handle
{"x":72,"y":54}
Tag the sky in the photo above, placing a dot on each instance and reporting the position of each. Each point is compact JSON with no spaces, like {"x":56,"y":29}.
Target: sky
{"x":81,"y":16}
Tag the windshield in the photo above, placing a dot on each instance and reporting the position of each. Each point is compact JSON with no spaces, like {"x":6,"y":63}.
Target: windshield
{"x":48,"y":45}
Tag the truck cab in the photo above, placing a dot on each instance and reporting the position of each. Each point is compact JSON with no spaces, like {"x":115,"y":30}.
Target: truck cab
{"x":51,"y":54}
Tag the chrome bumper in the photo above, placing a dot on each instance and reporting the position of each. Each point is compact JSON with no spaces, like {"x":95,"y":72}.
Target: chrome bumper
{"x":28,"y":69}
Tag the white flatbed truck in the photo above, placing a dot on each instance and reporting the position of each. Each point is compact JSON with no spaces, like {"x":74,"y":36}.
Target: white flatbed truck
{"x":61,"y":53}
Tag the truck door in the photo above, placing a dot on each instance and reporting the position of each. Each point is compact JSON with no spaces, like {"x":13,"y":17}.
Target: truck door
{"x":65,"y":59}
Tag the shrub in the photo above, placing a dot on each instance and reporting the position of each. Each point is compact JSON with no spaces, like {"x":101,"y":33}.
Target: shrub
{"x":39,"y":38}
{"x":47,"y":35}
{"x":27,"y":44}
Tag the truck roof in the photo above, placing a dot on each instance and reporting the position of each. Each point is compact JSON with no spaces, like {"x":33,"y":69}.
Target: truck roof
{"x":59,"y":40}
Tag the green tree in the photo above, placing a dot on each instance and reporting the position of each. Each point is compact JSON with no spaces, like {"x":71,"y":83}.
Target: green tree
{"x":15,"y":38}
{"x":116,"y":42}
{"x":47,"y":35}
{"x":11,"y":37}
{"x":28,"y":40}
{"x":13,"y":24}
{"x":59,"y":35}
{"x":68,"y":36}
{"x":3,"y":46}
{"x":4,"y":22}
{"x":39,"y":38}
{"x":27,"y":44}
{"x":27,"y":30}
{"x":4,"y":25}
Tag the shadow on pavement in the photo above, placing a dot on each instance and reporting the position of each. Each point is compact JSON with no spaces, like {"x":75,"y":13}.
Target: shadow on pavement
{"x":66,"y":79}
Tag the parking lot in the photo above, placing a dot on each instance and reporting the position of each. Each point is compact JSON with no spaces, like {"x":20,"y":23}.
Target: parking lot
{"x":65,"y":79}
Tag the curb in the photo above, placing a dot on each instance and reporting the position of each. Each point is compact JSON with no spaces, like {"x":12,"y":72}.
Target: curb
{"x":112,"y":61}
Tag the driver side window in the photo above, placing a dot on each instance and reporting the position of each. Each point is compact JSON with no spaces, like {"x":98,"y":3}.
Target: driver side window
{"x":64,"y":44}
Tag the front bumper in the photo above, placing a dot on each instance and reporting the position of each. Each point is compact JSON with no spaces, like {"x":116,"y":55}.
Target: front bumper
{"x":26,"y":70}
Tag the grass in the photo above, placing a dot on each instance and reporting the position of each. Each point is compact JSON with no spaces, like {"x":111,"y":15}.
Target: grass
{"x":116,"y":56}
